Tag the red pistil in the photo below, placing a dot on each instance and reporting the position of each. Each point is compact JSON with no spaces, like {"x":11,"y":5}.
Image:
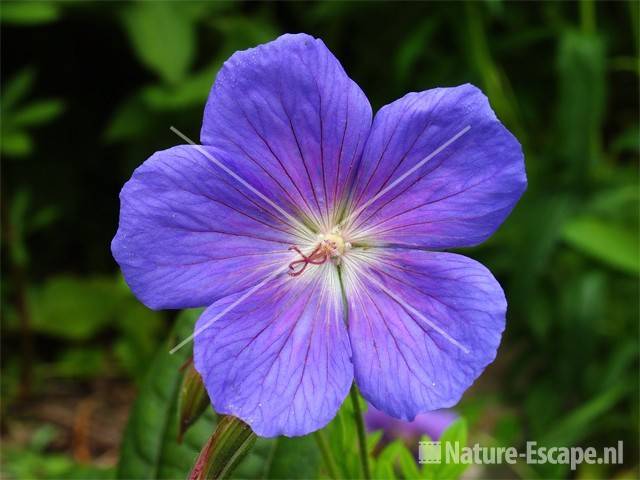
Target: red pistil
{"x":317,"y":257}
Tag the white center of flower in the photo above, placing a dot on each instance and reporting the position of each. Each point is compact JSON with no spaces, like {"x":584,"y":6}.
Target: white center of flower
{"x":333,"y":245}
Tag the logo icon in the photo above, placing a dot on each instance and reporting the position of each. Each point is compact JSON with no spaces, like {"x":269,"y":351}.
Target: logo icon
{"x":429,"y":452}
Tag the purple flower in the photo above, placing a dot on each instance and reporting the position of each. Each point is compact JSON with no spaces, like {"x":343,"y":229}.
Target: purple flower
{"x":432,"y":424}
{"x":309,"y":233}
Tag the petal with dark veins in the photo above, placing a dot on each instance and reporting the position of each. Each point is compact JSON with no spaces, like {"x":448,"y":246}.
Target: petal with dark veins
{"x":288,"y":110}
{"x":439,"y":170}
{"x":280,"y":359}
{"x":423,"y":326}
{"x":189,"y":233}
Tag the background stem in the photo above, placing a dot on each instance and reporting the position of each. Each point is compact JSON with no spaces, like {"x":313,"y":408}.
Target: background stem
{"x":362,"y":438}
{"x":327,"y":456}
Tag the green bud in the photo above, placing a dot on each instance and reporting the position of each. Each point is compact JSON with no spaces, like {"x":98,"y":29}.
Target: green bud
{"x":229,"y":444}
{"x":193,"y":399}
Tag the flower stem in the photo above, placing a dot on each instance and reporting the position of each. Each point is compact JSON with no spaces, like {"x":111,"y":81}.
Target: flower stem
{"x":327,"y":456}
{"x":362,"y":437}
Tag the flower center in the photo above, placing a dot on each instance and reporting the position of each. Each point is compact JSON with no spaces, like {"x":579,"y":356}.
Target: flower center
{"x":330,"y":247}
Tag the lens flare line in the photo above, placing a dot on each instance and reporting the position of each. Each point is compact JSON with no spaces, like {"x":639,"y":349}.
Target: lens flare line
{"x":247,"y":294}
{"x":300,"y":226}
{"x":354,"y":215}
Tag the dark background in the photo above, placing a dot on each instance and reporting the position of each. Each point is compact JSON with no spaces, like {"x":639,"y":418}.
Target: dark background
{"x":89,"y":91}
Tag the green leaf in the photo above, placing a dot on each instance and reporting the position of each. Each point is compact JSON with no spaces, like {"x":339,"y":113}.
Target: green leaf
{"x":37,"y":113}
{"x":385,"y":462}
{"x":163,"y":38}
{"x":627,"y":141}
{"x":619,"y":203}
{"x":609,"y":243}
{"x":140,"y":328}
{"x":204,"y":10}
{"x":80,"y":363}
{"x":373,"y":439}
{"x":408,"y":466}
{"x":15,"y":143}
{"x":412,"y":48}
{"x":575,"y":426}
{"x":14,"y":140}
{"x":242,"y":32}
{"x":494,"y":80}
{"x":73,"y":308}
{"x":284,"y":460}
{"x":634,"y":16}
{"x":129,"y":120}
{"x":455,"y":433}
{"x":150,"y":448}
{"x":29,"y":13}
{"x":17,"y":87}
{"x":42,"y":219}
{"x":238,"y":33}
{"x":23,"y":463}
{"x":572,"y":428}
{"x":18,"y":209}
{"x":395,"y":458}
{"x":581,"y":70}
{"x":192,"y":91}
{"x":342,"y":437}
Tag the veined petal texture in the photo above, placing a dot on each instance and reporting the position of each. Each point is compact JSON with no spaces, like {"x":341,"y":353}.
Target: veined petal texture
{"x":290,"y":118}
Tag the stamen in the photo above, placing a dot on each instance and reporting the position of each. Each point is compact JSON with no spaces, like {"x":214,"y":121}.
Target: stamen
{"x":330,"y":246}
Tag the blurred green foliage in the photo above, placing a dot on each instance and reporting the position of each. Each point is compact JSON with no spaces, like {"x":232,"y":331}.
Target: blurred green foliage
{"x":89,"y":91}
{"x":16,"y":118}
{"x":150,"y":447}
